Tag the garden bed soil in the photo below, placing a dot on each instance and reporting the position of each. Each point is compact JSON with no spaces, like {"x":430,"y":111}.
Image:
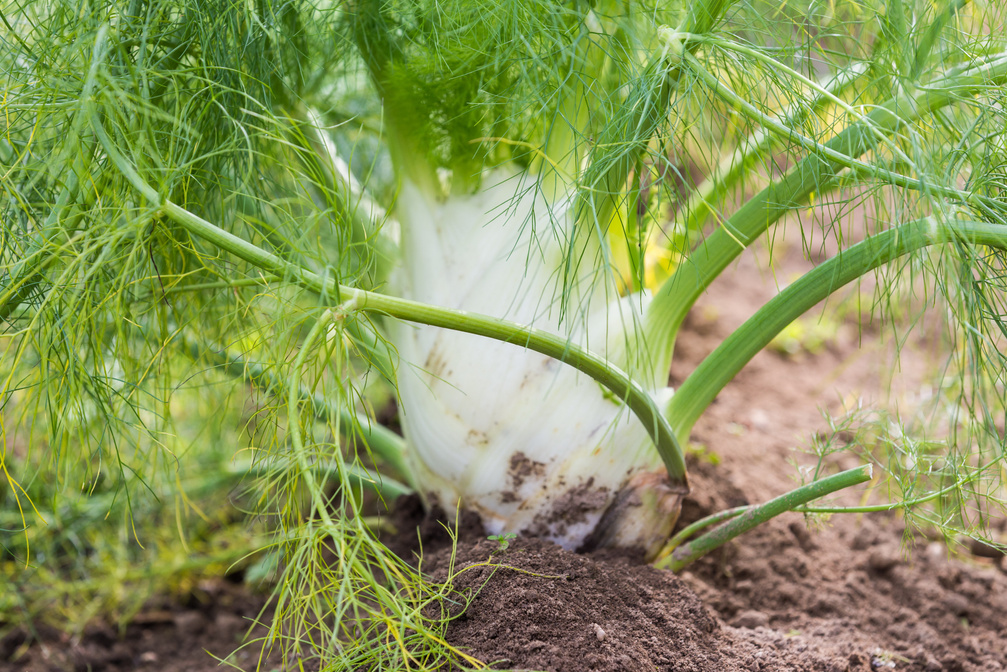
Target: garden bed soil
{"x":847,"y":594}
{"x":168,"y":636}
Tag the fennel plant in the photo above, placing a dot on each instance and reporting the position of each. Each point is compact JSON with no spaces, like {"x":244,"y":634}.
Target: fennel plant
{"x":479,"y":205}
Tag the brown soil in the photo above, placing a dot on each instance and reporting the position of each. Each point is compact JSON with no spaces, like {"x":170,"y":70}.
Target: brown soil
{"x":841,"y":597}
{"x":168,"y":636}
{"x":540,"y":607}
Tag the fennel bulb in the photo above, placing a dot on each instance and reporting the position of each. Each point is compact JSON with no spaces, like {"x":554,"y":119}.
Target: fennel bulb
{"x":530,"y":444}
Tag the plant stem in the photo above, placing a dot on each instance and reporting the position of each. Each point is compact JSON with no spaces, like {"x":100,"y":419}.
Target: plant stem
{"x":318,"y":501}
{"x":756,"y":515}
{"x":700,"y":524}
{"x":221,"y":284}
{"x":891,"y":506}
{"x":696,"y":209}
{"x":842,"y":160}
{"x":727,"y":514}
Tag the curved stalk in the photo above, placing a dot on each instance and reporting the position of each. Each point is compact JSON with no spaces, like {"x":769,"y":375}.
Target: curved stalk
{"x":611,"y":377}
{"x":700,"y":524}
{"x":697,"y":207}
{"x":319,"y":503}
{"x":720,"y":367}
{"x":727,"y":514}
{"x":756,"y":515}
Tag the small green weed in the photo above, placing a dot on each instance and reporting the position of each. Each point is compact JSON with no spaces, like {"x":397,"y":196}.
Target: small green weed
{"x":503,"y":541}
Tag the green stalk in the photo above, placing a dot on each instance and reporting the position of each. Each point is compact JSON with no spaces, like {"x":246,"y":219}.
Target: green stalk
{"x":700,"y":524}
{"x":319,"y":503}
{"x":608,"y":375}
{"x":814,"y":173}
{"x":890,"y":506}
{"x":719,"y":517}
{"x":696,"y":209}
{"x":690,"y":552}
{"x":719,"y":368}
{"x":789,"y":134}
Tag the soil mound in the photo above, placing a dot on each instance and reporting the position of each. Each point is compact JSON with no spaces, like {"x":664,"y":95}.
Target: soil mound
{"x":537,"y":606}
{"x":791,"y":601}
